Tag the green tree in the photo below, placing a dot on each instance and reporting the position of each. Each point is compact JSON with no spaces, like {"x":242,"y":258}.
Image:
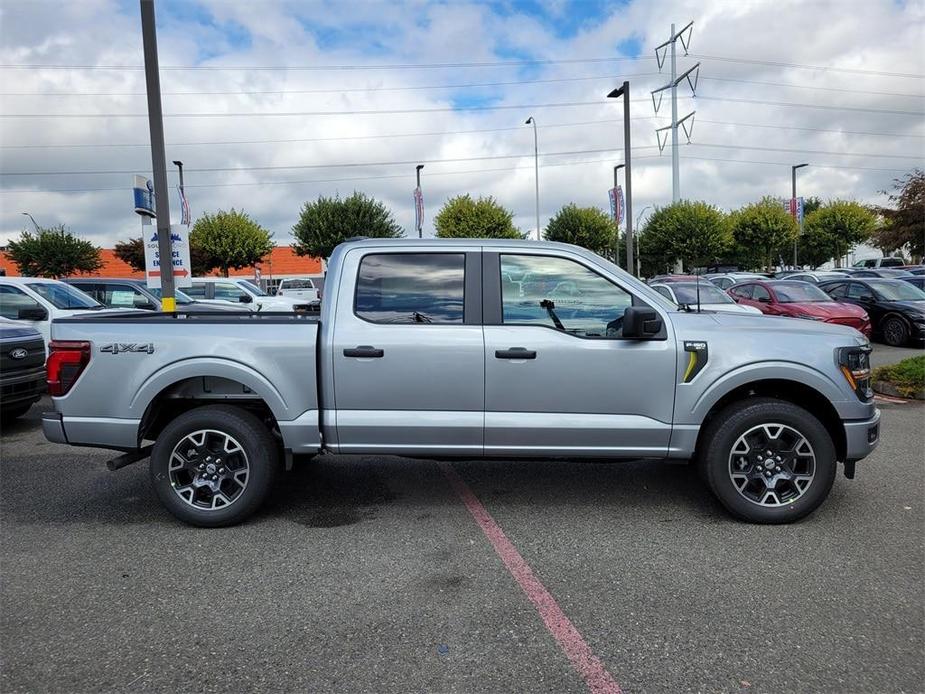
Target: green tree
{"x":588,"y":227}
{"x":693,"y":232}
{"x":904,"y":223}
{"x":327,"y":222}
{"x":762,"y":231}
{"x":814,"y":247}
{"x":464,"y":218}
{"x":811,"y":204}
{"x":133,"y":253}
{"x":841,"y":225}
{"x":230,"y":240}
{"x":53,"y":252}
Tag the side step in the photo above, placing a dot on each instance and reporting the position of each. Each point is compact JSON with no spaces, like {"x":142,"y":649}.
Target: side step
{"x":129,"y":458}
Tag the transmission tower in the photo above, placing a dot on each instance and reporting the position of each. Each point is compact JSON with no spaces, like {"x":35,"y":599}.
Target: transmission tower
{"x":687,"y":122}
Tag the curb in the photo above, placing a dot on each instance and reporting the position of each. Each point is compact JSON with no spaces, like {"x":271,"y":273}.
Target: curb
{"x":887,"y":388}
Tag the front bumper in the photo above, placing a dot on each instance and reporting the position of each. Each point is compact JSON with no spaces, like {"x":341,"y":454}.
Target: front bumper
{"x":862,"y":437}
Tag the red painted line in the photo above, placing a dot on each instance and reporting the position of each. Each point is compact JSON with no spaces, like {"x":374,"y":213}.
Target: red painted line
{"x":566,"y":635}
{"x":889,"y":398}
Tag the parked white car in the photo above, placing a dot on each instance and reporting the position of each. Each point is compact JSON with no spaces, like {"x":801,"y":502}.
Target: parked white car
{"x":37,"y":301}
{"x":299,"y":288}
{"x":248,"y":295}
{"x":712,"y":298}
{"x":727,"y":279}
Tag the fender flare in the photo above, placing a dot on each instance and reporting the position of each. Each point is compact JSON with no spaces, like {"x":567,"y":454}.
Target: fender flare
{"x":763,"y":371}
{"x":198,"y":367}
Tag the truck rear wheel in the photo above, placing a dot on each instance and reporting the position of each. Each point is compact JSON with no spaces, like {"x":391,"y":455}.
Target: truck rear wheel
{"x":214,"y":465}
{"x":768,"y":460}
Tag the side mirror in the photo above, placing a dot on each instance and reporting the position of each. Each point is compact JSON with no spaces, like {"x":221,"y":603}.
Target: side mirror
{"x":37,"y":313}
{"x":246,"y":299}
{"x":641,"y":322}
{"x":764,"y":300}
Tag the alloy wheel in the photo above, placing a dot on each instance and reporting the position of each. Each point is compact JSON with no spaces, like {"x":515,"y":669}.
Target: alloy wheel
{"x":208,"y":469}
{"x":772,"y":465}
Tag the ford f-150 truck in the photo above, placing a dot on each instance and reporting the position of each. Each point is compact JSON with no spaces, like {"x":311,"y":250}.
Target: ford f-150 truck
{"x":467,"y":348}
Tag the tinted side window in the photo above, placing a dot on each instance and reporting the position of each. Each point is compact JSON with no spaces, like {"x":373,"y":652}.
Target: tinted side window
{"x":411,"y":288}
{"x":836,"y":291}
{"x":859,"y":291}
{"x":743,"y":292}
{"x":561,"y":294}
{"x":228,"y":291}
{"x":12,"y":299}
{"x":664,"y":292}
{"x":123,"y":296}
{"x":759,"y":293}
{"x":197,"y":291}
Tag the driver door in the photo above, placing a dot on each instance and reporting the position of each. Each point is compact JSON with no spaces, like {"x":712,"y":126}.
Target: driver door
{"x":559,"y":377}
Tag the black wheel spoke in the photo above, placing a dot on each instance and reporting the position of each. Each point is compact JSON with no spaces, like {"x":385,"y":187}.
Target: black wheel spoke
{"x":772,"y":464}
{"x":208,"y":469}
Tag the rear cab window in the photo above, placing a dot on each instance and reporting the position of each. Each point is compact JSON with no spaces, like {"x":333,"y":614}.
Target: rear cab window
{"x":423,"y":288}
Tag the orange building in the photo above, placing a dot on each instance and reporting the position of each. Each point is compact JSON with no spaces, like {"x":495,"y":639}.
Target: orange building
{"x":281,"y":262}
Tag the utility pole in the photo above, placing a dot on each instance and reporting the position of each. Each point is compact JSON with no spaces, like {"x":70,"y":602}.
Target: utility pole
{"x":536,"y":170}
{"x":793,"y":197}
{"x":624,"y":91}
{"x":617,"y":244}
{"x":670,"y":45}
{"x":158,"y":156}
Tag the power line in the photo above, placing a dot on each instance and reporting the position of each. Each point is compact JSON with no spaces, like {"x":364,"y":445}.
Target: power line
{"x":815,"y":130}
{"x":836,"y":167}
{"x":806,"y":151}
{"x":788,"y":85}
{"x":803,"y":66}
{"x":826,"y":107}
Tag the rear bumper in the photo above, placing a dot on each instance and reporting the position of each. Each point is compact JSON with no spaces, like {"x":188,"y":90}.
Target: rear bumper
{"x":862,"y":437}
{"x":97,"y":432}
{"x":53,"y":428}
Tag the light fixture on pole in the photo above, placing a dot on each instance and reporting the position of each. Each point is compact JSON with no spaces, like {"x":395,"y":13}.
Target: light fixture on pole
{"x":624,"y":91}
{"x":33,"y":220}
{"x":796,"y":211}
{"x":536,"y":169}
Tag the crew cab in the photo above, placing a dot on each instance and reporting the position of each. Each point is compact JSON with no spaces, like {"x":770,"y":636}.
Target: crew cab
{"x":468,"y":348}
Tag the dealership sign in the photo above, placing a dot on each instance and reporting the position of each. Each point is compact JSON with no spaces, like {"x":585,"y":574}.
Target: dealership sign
{"x":180,"y":257}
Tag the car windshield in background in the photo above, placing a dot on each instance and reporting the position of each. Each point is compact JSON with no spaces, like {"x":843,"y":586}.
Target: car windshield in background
{"x":178,"y":295}
{"x":297,"y":284}
{"x":64,"y":296}
{"x":799,"y":293}
{"x":709,"y":294}
{"x":253,"y":288}
{"x":897,"y":290}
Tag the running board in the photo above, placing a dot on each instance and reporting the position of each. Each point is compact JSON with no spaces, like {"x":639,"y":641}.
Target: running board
{"x":129,"y":458}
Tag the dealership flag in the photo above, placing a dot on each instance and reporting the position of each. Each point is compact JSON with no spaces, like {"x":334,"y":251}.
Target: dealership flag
{"x":418,"y":209}
{"x":184,"y":207}
{"x":616,"y":204}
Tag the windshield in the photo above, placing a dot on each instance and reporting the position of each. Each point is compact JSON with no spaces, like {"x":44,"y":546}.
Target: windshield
{"x":897,"y":290}
{"x":62,"y":295}
{"x":297,"y":284}
{"x":180,"y":296}
{"x":799,"y":292}
{"x":709,"y":294}
{"x":252,"y":288}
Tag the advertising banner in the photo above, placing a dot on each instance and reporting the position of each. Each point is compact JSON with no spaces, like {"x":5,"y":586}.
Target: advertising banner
{"x":616,"y":205}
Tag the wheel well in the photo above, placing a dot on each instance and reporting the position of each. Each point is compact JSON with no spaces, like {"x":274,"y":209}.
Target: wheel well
{"x":190,"y":393}
{"x":791,"y":391}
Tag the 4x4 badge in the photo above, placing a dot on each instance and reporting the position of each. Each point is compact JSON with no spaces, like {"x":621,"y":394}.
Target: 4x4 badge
{"x":119,"y":347}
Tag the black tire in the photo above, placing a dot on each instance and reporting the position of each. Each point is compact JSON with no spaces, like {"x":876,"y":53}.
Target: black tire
{"x":260,"y":458}
{"x":895,"y":331}
{"x":726,"y":431}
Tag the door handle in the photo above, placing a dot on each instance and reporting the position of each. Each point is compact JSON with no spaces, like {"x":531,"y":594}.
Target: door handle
{"x":364,"y":351}
{"x":515,"y":353}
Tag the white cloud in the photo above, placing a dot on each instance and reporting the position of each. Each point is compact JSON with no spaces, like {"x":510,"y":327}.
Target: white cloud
{"x":867,"y":36}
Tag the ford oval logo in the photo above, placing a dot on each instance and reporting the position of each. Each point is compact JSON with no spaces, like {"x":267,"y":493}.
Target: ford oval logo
{"x":18,"y":353}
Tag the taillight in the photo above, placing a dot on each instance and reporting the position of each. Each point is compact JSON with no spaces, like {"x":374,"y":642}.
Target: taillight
{"x":66,"y":361}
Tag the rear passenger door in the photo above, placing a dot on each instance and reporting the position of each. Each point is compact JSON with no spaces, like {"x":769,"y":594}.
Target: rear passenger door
{"x":408,"y":352}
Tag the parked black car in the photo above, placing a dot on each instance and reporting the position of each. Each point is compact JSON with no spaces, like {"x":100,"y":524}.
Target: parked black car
{"x":134,"y":293}
{"x":896,"y":308}
{"x":916,"y":281}
{"x":884,"y":272}
{"x":22,"y":368}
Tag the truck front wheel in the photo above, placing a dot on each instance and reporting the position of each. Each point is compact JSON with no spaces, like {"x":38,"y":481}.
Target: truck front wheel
{"x":214,"y":465}
{"x":768,"y":460}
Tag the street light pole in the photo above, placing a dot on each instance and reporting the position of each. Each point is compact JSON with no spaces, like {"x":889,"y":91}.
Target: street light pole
{"x":33,"y":220}
{"x":420,"y":220}
{"x":793,"y":181}
{"x":158,"y":156}
{"x":624,"y":91}
{"x":536,"y":169}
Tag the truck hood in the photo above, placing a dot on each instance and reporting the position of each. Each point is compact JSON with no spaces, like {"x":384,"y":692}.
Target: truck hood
{"x":774,"y":329}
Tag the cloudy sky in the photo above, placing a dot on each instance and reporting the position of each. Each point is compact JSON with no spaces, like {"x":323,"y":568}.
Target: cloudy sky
{"x":273,"y":103}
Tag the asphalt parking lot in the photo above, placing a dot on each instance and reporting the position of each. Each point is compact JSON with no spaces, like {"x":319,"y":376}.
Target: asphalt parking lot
{"x":375,"y":574}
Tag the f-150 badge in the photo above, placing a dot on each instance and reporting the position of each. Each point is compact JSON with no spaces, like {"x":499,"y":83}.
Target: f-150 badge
{"x":696,"y":361}
{"x":119,"y":347}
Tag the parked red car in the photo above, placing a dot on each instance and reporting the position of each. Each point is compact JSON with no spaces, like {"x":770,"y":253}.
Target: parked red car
{"x":799,"y":300}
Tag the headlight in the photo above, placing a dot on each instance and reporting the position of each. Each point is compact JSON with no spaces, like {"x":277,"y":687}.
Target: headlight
{"x":854,"y":364}
{"x":806,"y":316}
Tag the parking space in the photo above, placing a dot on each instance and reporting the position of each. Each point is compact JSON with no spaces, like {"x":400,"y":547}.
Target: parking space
{"x":371,"y":574}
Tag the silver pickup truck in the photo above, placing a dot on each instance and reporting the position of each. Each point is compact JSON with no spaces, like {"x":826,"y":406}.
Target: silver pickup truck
{"x":467,"y":348}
